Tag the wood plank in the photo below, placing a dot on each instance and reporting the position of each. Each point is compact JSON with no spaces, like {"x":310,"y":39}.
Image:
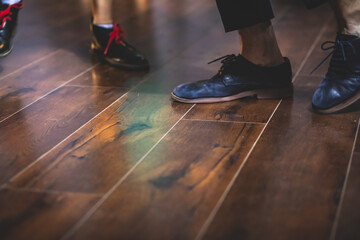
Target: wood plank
{"x":105,"y":75}
{"x":296,"y":173}
{"x":34,"y":215}
{"x":29,"y":84}
{"x":289,"y":35}
{"x":25,"y":86}
{"x":318,"y":55}
{"x":105,"y":149}
{"x":146,"y":115}
{"x":150,"y":97}
{"x":30,"y":133}
{"x":244,"y":110}
{"x":177,"y":185}
{"x":349,"y":218}
{"x":153,"y":95}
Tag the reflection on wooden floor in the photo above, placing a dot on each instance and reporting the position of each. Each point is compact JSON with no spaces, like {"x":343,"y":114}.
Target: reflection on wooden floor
{"x":92,"y":152}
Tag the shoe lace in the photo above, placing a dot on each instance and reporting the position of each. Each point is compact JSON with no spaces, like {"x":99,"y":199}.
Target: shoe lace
{"x":5,"y":15}
{"x":225,"y":61}
{"x":118,"y":34}
{"x":335,"y":45}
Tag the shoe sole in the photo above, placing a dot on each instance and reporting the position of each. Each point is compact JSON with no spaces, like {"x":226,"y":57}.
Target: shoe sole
{"x":259,"y":94}
{"x":340,"y":106}
{"x":5,"y":54}
{"x":120,"y":66}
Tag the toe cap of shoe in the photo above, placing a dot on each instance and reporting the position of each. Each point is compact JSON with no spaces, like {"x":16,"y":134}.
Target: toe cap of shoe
{"x":183,"y":91}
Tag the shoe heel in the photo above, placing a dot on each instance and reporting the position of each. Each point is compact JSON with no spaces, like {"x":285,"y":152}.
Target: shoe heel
{"x":275,"y":93}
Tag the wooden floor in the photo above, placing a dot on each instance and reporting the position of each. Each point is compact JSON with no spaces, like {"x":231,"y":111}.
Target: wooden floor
{"x":92,"y":152}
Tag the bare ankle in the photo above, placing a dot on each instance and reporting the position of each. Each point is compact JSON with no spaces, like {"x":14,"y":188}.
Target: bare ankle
{"x":259,"y":45}
{"x":347,"y":14}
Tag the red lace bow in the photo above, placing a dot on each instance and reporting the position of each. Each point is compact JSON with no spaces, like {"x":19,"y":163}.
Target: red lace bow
{"x":6,"y":14}
{"x":118,"y":34}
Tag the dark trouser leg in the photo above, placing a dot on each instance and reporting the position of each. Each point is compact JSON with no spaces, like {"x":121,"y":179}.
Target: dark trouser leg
{"x":314,"y":3}
{"x":237,"y":14}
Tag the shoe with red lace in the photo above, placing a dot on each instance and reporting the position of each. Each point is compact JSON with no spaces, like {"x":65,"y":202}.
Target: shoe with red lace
{"x":8,"y":23}
{"x":109,"y":44}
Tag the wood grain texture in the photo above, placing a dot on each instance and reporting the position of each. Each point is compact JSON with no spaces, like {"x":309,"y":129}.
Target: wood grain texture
{"x":172,"y":192}
{"x":242,"y":110}
{"x":288,"y":189}
{"x":146,"y":114}
{"x":296,"y":173}
{"x":33,"y":215}
{"x":106,"y":75}
{"x":105,"y":149}
{"x":30,"y":133}
{"x":25,"y":86}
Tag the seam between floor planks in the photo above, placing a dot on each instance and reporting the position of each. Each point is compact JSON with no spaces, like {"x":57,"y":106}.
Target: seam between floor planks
{"x":42,"y":156}
{"x":311,"y":49}
{"x":43,"y":96}
{"x":97,"y":87}
{"x":229,"y":186}
{"x":30,"y":64}
{"x":213,"y":213}
{"x":121,"y":180}
{"x":80,"y":74}
{"x":222,"y":121}
{"x":85,"y":71}
{"x":343,"y":190}
{"x":47,"y":191}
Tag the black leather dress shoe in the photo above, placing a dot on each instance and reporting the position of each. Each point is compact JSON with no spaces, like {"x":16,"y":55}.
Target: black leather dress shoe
{"x":238,"y":78}
{"x":110,"y":45}
{"x":8,"y":23}
{"x":341,"y":85}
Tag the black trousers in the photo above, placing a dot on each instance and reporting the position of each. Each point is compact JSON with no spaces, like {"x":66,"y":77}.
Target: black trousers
{"x":237,"y":14}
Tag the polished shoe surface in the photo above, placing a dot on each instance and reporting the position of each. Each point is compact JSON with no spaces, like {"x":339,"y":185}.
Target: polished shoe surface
{"x":8,"y":24}
{"x":340,"y":87}
{"x":238,"y":78}
{"x":109,"y":44}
